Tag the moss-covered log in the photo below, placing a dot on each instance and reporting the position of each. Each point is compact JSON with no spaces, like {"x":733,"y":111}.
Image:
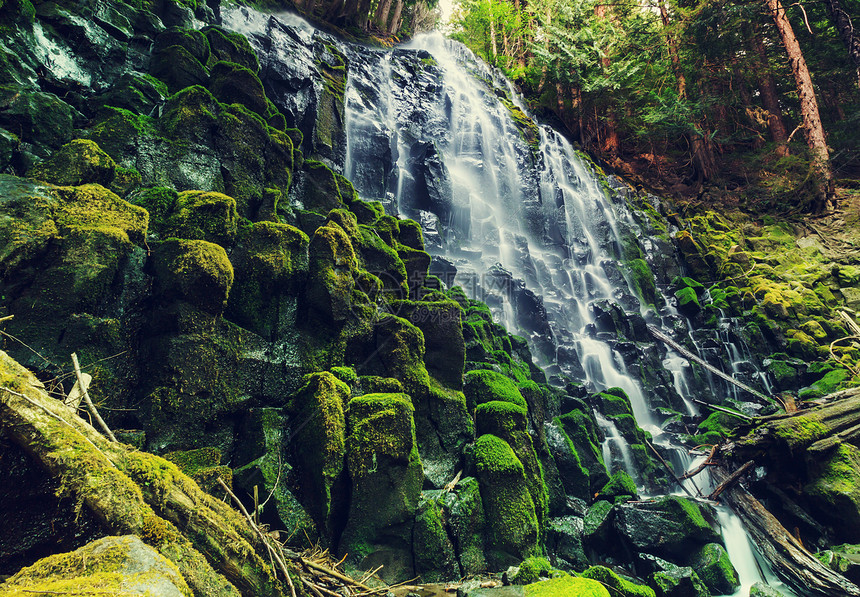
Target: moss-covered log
{"x":132,"y":492}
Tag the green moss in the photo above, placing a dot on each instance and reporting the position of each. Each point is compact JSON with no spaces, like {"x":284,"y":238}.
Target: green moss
{"x":688,"y":301}
{"x":103,"y":566}
{"x":496,"y":416}
{"x":78,"y":162}
{"x":582,"y":433}
{"x":826,"y":385}
{"x":620,"y":485}
{"x":232,"y":83}
{"x":714,"y":568}
{"x":230,"y":46}
{"x":178,"y":68}
{"x":641,"y":280}
{"x":199,"y":215}
{"x":530,"y":570}
{"x":204,"y":466}
{"x":617,"y":585}
{"x":512,"y":531}
{"x":196,"y":271}
{"x":566,"y":585}
{"x":800,"y":432}
{"x":485,"y":386}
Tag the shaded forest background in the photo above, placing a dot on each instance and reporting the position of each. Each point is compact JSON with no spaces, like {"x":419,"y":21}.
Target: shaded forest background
{"x":695,"y":98}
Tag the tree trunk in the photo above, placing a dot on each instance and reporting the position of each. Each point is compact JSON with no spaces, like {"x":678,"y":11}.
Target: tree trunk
{"x":381,"y":16}
{"x":492,"y":30}
{"x":813,"y":128}
{"x":132,"y":492}
{"x":610,"y":142}
{"x":395,"y":19}
{"x":769,"y":97}
{"x":850,"y":38}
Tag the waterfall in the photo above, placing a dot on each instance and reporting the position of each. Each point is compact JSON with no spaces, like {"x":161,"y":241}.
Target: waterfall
{"x":515,"y":215}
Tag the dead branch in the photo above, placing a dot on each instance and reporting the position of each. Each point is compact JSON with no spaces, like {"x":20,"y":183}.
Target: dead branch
{"x":723,"y":410}
{"x":731,"y":479}
{"x":707,"y":462}
{"x":90,"y":406}
{"x":669,"y":469}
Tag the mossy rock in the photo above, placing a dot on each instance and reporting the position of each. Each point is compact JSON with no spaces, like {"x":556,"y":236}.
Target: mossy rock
{"x":231,"y":83}
{"x":826,"y":385}
{"x":678,"y":582}
{"x":435,"y":560}
{"x":620,"y":485}
{"x":178,"y":68}
{"x":385,"y":468}
{"x":93,"y":207}
{"x":195,"y":271}
{"x":444,"y":346}
{"x":262,"y":457}
{"x":669,"y":527}
{"x":484,"y":386}
{"x":115,"y":565}
{"x":319,"y":447}
{"x":512,"y":527}
{"x":319,"y":189}
{"x":581,"y":430}
{"x":201,"y":215}
{"x":400,"y":350}
{"x":190,"y":114}
{"x":331,"y":261}
{"x":713,"y":566}
{"x":76,"y":163}
{"x":761,"y":589}
{"x":409,"y":233}
{"x":688,"y":301}
{"x":417,"y":263}
{"x":641,"y":280}
{"x":191,"y":39}
{"x":835,"y":492}
{"x":204,"y":466}
{"x":566,"y":585}
{"x":574,"y":476}
{"x":39,"y":118}
{"x":464,"y":516}
{"x":229,"y":46}
{"x":618,"y":585}
{"x":531,"y":569}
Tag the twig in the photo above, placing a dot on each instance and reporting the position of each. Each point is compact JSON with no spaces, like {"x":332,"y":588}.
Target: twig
{"x":669,"y":469}
{"x":90,"y":406}
{"x":723,"y":410}
{"x":7,"y":318}
{"x":260,"y":534}
{"x":701,"y":467}
{"x":371,"y":573}
{"x":839,"y":359}
{"x":335,"y":574}
{"x":312,"y":587}
{"x":731,"y":480}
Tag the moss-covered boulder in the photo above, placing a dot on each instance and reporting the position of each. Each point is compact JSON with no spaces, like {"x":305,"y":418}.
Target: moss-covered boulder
{"x":230,"y":46}
{"x":618,"y":585}
{"x":464,"y":516}
{"x":619,"y":485}
{"x":835,"y":491}
{"x":385,"y":470}
{"x":400,"y":351}
{"x":115,"y":565}
{"x":670,"y":527}
{"x":76,"y":163}
{"x":200,"y":215}
{"x":566,"y":585}
{"x":435,"y":560}
{"x":231,"y":83}
{"x":271,"y":265}
{"x":319,"y":447}
{"x":330,"y":283}
{"x":512,"y":526}
{"x":485,"y":385}
{"x":531,"y":570}
{"x":842,"y":559}
{"x":677,"y":581}
{"x":192,"y":40}
{"x":581,"y":430}
{"x":178,"y":68}
{"x":195,"y":271}
{"x":598,"y":532}
{"x":714,"y":567}
{"x":574,"y":476}
{"x":39,"y":118}
{"x":564,"y":543}
{"x":444,"y":347}
{"x":317,"y":188}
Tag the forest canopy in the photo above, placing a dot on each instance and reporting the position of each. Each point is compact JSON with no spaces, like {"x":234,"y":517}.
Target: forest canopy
{"x":690,"y":93}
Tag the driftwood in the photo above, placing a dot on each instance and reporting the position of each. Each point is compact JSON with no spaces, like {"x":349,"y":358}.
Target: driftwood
{"x":656,"y":333}
{"x":132,"y":492}
{"x":731,"y":480}
{"x":785,"y":553}
{"x":728,"y":411}
{"x":90,"y":406}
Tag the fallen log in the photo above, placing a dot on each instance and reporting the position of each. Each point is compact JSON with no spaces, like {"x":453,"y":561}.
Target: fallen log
{"x":132,"y":492}
{"x":657,"y":334}
{"x":731,"y":479}
{"x":786,"y":554}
